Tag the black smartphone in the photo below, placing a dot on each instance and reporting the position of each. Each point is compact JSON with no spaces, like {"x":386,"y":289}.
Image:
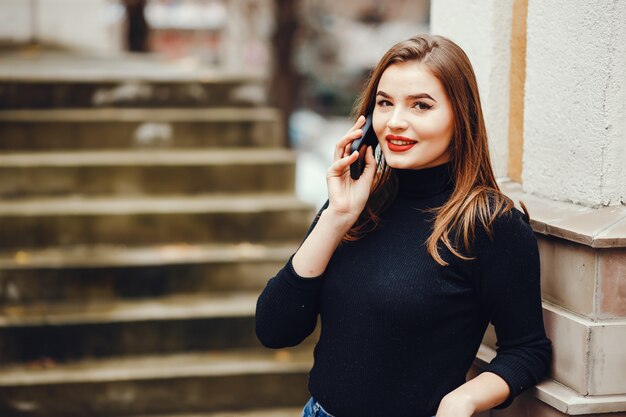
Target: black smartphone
{"x":360,"y":144}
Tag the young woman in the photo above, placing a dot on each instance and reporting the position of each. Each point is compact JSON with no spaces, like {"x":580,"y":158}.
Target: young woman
{"x":407,"y":265}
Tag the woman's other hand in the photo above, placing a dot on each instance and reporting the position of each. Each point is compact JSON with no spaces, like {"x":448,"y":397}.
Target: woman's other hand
{"x":480,"y":393}
{"x":347,"y":197}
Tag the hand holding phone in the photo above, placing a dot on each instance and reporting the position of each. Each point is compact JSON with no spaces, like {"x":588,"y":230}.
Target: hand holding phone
{"x":367,"y":139}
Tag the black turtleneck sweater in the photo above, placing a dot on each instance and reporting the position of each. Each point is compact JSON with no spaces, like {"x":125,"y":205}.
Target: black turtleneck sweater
{"x":399,"y":331}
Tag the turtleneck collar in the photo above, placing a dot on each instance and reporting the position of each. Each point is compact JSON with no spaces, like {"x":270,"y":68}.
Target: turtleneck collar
{"x":426,"y":182}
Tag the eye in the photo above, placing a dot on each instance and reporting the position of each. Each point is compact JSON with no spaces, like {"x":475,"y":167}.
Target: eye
{"x":383,"y":103}
{"x":421,"y":105}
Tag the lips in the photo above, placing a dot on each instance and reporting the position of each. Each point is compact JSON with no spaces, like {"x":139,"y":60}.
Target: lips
{"x":401,"y":143}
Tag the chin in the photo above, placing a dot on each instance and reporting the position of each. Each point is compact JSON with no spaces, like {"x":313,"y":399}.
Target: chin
{"x":413,"y":161}
{"x":403,"y":166}
{"x":401,"y":163}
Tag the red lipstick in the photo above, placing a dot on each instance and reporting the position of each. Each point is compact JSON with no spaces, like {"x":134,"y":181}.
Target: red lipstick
{"x":399,"y":148}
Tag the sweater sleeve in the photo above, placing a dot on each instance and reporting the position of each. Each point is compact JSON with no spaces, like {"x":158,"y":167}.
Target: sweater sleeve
{"x":287,"y":309}
{"x":511,"y":298}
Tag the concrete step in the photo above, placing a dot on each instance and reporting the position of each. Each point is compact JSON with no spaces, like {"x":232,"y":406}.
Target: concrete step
{"x":139,"y":128}
{"x":140,"y":172}
{"x":33,"y":223}
{"x":18,"y":94}
{"x":62,"y":79}
{"x":67,"y":93}
{"x":270,"y":412}
{"x":222,"y":381}
{"x":119,"y":272}
{"x":93,"y":328}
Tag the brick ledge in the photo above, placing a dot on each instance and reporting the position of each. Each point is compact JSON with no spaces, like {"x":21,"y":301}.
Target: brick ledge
{"x":603,"y":227}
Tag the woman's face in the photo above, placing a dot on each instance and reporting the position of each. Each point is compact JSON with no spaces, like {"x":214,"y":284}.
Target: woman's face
{"x":413,"y":117}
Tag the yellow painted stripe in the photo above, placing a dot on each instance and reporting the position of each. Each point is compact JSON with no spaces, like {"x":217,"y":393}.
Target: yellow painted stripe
{"x":517,"y":79}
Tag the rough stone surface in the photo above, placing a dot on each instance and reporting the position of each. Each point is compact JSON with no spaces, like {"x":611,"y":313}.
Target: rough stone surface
{"x":575,"y":117}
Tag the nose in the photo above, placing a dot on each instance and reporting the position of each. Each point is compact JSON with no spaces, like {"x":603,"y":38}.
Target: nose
{"x":397,"y":121}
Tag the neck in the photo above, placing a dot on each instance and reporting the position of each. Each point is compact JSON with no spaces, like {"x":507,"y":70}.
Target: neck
{"x":425,"y":182}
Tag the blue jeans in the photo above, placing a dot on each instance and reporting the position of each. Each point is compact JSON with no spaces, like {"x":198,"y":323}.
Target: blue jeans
{"x":314,"y":409}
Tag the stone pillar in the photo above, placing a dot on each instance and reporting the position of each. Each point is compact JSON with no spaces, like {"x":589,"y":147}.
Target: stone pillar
{"x":573,"y":181}
{"x":574,"y":152}
{"x":575,"y":104}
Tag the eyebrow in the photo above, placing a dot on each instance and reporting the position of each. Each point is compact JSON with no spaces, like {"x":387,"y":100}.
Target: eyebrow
{"x":411,"y":97}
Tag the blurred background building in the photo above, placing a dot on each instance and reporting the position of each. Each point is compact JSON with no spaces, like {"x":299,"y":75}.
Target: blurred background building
{"x":161,"y":159}
{"x":334,"y":42}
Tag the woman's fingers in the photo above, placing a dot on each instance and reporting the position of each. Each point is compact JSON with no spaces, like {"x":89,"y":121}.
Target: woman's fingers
{"x":370,"y":162}
{"x":345,"y":192}
{"x":353,"y":133}
{"x":360,"y":121}
{"x":339,"y":166}
{"x":345,"y":142}
{"x":346,"y":150}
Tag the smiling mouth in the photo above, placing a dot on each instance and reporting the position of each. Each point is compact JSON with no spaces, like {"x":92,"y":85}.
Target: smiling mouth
{"x":401,"y":142}
{"x":399,"y":145}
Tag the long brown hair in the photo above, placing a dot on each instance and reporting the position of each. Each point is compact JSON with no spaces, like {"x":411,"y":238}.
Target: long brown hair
{"x":476,"y":196}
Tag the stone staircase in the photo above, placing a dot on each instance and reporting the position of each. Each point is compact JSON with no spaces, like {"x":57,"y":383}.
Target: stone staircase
{"x":140,"y":215}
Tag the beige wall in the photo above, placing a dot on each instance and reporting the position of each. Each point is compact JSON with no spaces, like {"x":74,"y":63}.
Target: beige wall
{"x":575,"y":101}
